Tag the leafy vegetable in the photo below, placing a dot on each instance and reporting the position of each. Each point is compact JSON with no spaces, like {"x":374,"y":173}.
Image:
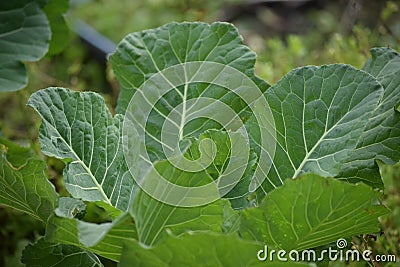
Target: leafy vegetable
{"x":311,"y":211}
{"x":143,"y":54}
{"x":332,"y":123}
{"x":181,"y":78}
{"x":25,"y":34}
{"x":79,"y":127}
{"x":320,"y":114}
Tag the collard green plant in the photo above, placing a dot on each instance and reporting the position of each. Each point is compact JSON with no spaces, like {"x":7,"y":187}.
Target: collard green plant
{"x":80,"y":127}
{"x":320,"y":114}
{"x":29,"y":29}
{"x":319,"y":183}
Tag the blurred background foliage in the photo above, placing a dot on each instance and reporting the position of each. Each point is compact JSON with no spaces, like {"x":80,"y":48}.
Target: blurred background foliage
{"x":284,"y":34}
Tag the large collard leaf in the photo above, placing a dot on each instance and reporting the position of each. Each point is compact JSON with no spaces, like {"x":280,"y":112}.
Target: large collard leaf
{"x":154,"y":218}
{"x":79,"y":127}
{"x":23,"y":182}
{"x":24,"y":36}
{"x":188,"y":78}
{"x":320,"y":114}
{"x":381,"y":137}
{"x":43,"y":253}
{"x":198,"y":249}
{"x":143,"y":54}
{"x":148,"y":54}
{"x":311,"y":211}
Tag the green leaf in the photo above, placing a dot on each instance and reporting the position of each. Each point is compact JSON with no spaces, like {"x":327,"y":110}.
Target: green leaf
{"x":177,"y":82}
{"x":231,"y":219}
{"x":70,"y":207}
{"x":239,"y":193}
{"x":78,"y":126}
{"x":143,"y":54}
{"x":104,"y":239}
{"x":164,"y":51}
{"x":23,"y":182}
{"x":43,"y":253}
{"x":17,"y":155}
{"x":320,"y":114}
{"x":381,"y":137}
{"x":153,"y":218}
{"x":55,"y":10}
{"x":384,"y":65}
{"x":24,"y":36}
{"x":198,"y":249}
{"x":311,"y":211}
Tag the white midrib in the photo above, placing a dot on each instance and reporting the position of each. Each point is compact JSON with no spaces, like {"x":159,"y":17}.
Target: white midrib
{"x":308,"y":154}
{"x":84,"y":166}
{"x":93,"y":178}
{"x":183,"y":118}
